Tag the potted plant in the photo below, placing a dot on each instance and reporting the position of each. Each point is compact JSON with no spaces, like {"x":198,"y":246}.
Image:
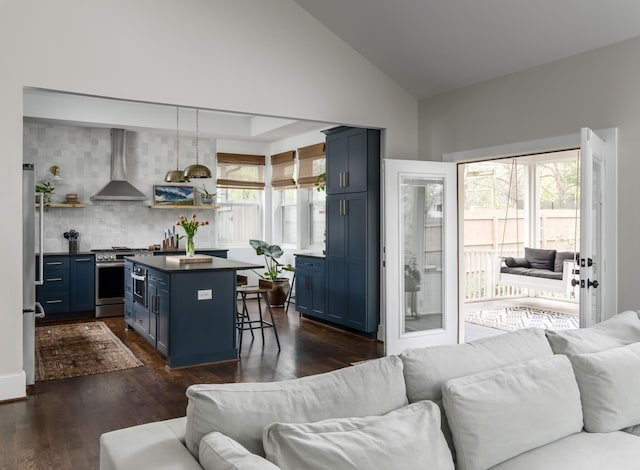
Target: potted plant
{"x":206,"y":198}
{"x":47,"y":190}
{"x":321,"y":181}
{"x":278,"y":286}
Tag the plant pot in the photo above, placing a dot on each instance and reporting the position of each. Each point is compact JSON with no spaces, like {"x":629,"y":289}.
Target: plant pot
{"x":206,"y":200}
{"x":278,"y":290}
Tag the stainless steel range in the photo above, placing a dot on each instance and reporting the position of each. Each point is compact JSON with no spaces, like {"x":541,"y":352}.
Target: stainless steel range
{"x":110,"y":278}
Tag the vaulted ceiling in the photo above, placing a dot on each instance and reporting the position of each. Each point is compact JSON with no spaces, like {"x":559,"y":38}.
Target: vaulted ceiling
{"x":433,"y":46}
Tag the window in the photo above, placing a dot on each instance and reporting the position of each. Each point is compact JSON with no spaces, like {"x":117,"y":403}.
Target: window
{"x":284,"y":196}
{"x":317,"y":218}
{"x":240,"y":195}
{"x":312,"y":168}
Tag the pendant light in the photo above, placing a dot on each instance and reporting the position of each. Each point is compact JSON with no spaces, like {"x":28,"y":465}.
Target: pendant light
{"x":197,"y":170}
{"x":177,"y":175}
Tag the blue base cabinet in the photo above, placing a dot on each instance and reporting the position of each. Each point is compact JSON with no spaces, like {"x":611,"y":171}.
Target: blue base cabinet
{"x":310,"y":286}
{"x":69,"y":285}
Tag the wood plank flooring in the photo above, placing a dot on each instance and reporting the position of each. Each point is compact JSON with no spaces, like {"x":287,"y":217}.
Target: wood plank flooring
{"x":59,"y":425}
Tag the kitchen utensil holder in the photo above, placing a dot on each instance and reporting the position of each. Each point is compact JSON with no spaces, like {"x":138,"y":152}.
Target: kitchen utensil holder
{"x":73,"y":246}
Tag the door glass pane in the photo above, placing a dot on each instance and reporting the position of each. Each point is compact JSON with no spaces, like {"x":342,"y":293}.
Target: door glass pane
{"x":422,"y":249}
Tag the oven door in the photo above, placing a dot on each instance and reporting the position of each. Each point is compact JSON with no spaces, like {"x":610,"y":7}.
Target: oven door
{"x":110,"y":283}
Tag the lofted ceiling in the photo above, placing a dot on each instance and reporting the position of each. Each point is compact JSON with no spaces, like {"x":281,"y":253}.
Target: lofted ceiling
{"x":433,"y":46}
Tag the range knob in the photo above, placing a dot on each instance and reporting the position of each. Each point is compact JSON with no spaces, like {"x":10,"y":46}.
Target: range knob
{"x":100,"y":257}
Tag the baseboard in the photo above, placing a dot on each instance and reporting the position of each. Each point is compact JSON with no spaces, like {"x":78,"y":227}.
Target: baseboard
{"x":13,"y":386}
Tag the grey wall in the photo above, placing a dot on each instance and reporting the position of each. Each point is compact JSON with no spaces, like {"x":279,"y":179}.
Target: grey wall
{"x":598,"y":89}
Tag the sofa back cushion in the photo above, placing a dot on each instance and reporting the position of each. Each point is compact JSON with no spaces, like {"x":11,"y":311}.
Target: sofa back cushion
{"x":619,"y":330}
{"x":407,"y":438}
{"x":242,"y":410}
{"x":427,"y":369}
{"x":609,"y":384}
{"x":540,"y":259}
{"x":496,"y":415}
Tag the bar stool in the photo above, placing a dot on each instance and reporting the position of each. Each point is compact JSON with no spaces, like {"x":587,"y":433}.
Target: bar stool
{"x":293,"y":283}
{"x":245,"y":323}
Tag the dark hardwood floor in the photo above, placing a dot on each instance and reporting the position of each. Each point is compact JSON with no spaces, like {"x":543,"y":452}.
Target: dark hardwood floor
{"x":59,"y":425}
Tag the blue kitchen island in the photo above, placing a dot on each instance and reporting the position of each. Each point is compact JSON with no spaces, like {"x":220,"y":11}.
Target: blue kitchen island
{"x":186,"y":311}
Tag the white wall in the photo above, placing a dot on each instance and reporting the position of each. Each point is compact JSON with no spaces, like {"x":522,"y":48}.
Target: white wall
{"x":253,"y":56}
{"x":598,"y":89}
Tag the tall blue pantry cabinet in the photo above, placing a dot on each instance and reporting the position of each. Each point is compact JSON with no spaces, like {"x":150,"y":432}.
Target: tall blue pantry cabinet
{"x":353,"y":228}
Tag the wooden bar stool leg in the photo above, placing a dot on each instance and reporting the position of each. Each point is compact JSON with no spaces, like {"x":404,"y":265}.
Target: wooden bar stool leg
{"x":261,"y":319}
{"x":273,"y":323}
{"x":245,"y":314}
{"x":293,"y":283}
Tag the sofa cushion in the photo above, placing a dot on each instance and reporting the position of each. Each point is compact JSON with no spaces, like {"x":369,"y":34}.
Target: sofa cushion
{"x":561,"y":257}
{"x":581,"y":451}
{"x":619,"y":330}
{"x":220,"y":452}
{"x":499,"y":414}
{"x":242,"y":410}
{"x":407,"y":438}
{"x":540,"y":259}
{"x":427,"y":369}
{"x":516,"y":262}
{"x":609,"y":384}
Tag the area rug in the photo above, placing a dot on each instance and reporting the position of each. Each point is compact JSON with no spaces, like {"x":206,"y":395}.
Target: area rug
{"x":77,"y":349}
{"x":516,"y":318}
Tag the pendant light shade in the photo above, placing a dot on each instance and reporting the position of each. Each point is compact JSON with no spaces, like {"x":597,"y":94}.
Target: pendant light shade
{"x":197,"y":170}
{"x":177,"y":175}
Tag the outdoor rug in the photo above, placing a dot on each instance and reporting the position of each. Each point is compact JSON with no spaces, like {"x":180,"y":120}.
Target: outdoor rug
{"x":76,"y":349}
{"x":516,"y":318}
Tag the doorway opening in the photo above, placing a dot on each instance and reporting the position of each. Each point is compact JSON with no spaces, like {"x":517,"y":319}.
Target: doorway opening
{"x":521,"y":218}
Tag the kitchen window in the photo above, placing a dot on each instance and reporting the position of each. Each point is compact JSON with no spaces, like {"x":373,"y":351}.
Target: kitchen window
{"x":240,"y":197}
{"x":311,"y":171}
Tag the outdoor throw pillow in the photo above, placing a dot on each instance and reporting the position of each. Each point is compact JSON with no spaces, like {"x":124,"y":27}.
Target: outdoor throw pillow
{"x":408,"y":438}
{"x":540,"y":259}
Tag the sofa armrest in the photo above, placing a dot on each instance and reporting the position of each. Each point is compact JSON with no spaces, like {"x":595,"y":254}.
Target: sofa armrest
{"x":158,"y":445}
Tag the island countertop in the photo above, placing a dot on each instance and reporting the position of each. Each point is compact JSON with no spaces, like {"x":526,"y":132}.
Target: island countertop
{"x":217,"y":264}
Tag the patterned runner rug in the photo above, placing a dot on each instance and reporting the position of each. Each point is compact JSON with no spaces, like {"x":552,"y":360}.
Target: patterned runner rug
{"x":76,"y":349}
{"x":516,"y":318}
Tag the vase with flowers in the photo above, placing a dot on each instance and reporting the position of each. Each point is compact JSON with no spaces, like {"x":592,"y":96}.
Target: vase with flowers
{"x":190,"y":227}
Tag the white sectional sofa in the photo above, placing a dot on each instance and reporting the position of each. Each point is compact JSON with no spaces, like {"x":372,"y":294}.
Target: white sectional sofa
{"x":531,"y":399}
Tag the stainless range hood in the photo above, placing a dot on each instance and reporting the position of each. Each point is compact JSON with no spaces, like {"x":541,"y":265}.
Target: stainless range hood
{"x":118,"y":189}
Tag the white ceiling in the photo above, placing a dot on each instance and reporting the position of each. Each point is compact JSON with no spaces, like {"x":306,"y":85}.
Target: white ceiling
{"x":433,"y":46}
{"x":90,"y":111}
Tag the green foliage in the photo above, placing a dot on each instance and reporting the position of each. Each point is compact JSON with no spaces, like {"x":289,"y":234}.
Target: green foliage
{"x":47,"y":190}
{"x":271,"y":254}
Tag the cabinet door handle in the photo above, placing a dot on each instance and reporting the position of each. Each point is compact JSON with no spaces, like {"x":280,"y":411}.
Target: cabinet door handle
{"x":53,"y":263}
{"x":341,"y":201}
{"x":53,"y":279}
{"x":83,"y":260}
{"x":54,"y":301}
{"x":346,"y":179}
{"x":346,"y":207}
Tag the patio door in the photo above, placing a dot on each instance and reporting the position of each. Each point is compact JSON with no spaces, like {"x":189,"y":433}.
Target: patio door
{"x":597,"y":292}
{"x":420,"y":254}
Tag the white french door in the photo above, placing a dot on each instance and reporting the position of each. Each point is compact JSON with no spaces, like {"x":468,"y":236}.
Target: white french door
{"x":420,"y":254}
{"x":597,"y":283}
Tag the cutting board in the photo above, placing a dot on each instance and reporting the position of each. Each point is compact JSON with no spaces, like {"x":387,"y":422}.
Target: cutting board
{"x":190,"y":259}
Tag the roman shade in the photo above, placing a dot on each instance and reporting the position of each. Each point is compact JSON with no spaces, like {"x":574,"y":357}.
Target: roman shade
{"x":311,"y":164}
{"x":282,"y":170}
{"x":240,"y":171}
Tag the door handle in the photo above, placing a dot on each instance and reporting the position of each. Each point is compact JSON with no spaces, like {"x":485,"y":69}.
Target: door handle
{"x":346,"y":179}
{"x":593,"y":283}
{"x":82,"y":260}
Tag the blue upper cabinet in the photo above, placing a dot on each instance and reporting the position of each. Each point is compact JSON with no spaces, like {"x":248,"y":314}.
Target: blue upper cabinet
{"x":348,"y":152}
{"x":353,"y":227}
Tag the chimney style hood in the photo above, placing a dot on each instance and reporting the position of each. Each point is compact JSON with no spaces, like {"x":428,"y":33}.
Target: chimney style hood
{"x":118,"y":189}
